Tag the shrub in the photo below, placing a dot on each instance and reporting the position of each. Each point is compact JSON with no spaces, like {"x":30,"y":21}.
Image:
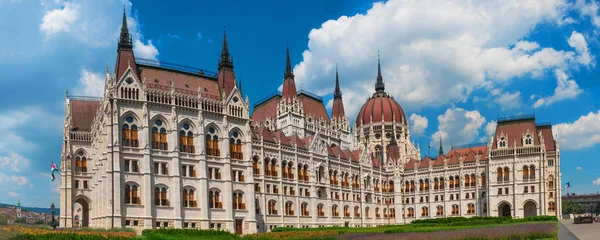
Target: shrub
{"x":324,"y":234}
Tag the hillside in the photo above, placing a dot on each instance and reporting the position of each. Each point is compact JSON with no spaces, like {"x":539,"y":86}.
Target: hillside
{"x":32,"y":209}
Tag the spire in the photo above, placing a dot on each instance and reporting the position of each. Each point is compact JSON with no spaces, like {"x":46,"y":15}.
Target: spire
{"x":379,"y":85}
{"x":225,"y":59}
{"x":441,"y":149}
{"x":288,"y":65}
{"x":125,"y":38}
{"x":337,"y":93}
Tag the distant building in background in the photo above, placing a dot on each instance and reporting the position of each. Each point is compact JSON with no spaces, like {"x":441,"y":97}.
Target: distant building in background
{"x":19,"y":209}
{"x":587,"y":202}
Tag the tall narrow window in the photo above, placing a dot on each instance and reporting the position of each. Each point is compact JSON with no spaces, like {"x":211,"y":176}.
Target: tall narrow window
{"x":532,"y":172}
{"x":129,"y":133}
{"x":212,"y":143}
{"x":160,"y":196}
{"x":186,"y":139}
{"x":235,"y":146}
{"x":159,"y":136}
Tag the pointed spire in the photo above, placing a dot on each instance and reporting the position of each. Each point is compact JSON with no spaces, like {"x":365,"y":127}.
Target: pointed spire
{"x":288,"y":66}
{"x":225,"y":60}
{"x":125,"y":38}
{"x":379,"y":85}
{"x":337,"y":93}
{"x":441,"y":148}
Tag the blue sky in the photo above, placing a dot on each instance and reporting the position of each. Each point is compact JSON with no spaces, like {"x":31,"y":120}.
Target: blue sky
{"x":454,"y":67}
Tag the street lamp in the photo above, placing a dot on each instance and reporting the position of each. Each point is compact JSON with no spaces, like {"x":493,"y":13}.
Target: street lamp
{"x":53,"y":210}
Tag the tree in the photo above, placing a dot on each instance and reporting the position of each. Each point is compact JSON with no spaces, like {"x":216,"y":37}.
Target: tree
{"x":597,"y":208}
{"x":39,"y":221}
{"x":20,"y":220}
{"x":570,"y":207}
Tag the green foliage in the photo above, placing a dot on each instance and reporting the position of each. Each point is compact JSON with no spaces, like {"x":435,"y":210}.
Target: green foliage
{"x":597,"y":210}
{"x":3,"y":221}
{"x":20,"y":220}
{"x":176,"y":233}
{"x":570,"y":207}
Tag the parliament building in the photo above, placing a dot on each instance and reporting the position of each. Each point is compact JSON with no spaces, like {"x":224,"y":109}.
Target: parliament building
{"x":173,"y":146}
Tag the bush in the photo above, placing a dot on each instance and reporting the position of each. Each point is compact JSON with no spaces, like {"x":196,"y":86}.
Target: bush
{"x":178,"y":233}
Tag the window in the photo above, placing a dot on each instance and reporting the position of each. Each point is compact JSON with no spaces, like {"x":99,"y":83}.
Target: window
{"x":131,"y":194}
{"x":356,"y":212}
{"x":214,"y":199}
{"x":550,"y":163}
{"x":470,"y":208}
{"x":424,"y":212}
{"x":528,"y":139}
{"x":186,"y":139}
{"x":505,"y":190}
{"x":347,"y":211}
{"x":85,"y":184}
{"x":525,"y":189}
{"x":454,"y":209}
{"x":532,"y":189}
{"x":551,"y":206}
{"x":188,"y":198}
{"x":334,"y":211}
{"x":159,"y":136}
{"x":551,"y":194}
{"x":440,"y":211}
{"x":80,"y":162}
{"x":551,"y":181}
{"x":235,"y":146}
{"x":467,"y":180}
{"x":320,"y":210}
{"x":506,"y":174}
{"x":255,"y":168}
{"x":212,"y":143}
{"x":160,"y":196}
{"x":77,"y":184}
{"x":214,"y":173}
{"x":188,"y":171}
{"x":304,"y":209}
{"x":502,"y":142}
{"x":483,"y":179}
{"x":532,"y":172}
{"x":411,"y":213}
{"x":499,"y":191}
{"x":238,"y":201}
{"x":435,"y":184}
{"x":289,"y":210}
{"x":161,"y":168}
{"x":129,"y":133}
{"x":131,"y":166}
{"x":499,"y":174}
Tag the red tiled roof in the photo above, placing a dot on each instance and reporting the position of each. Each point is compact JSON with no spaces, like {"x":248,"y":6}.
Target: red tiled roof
{"x":289,"y":88}
{"x":465,"y":151}
{"x":125,"y":58}
{"x":226,"y":79}
{"x":337,"y":111}
{"x":332,"y":151}
{"x":375,"y":161}
{"x":255,"y":134}
{"x":355,"y":155}
{"x":548,"y":138}
{"x":424,"y":163}
{"x":439,"y":161}
{"x":470,"y":157}
{"x":267,"y":136}
{"x":209,"y":86}
{"x":294,"y":139}
{"x":313,"y":107}
{"x":393,"y":153}
{"x":83,"y":113}
{"x":345,"y":154}
{"x":454,"y":159}
{"x":267,"y":109}
{"x":514,"y":131}
{"x":381,"y":108}
{"x":410,"y":164}
{"x":282,"y":138}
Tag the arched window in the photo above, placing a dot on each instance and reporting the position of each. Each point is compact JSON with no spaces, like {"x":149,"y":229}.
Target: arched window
{"x":440,"y":211}
{"x":80,"y":162}
{"x":473,"y":179}
{"x":424,"y":212}
{"x":272,"y":205}
{"x":528,"y":140}
{"x":525,"y":173}
{"x":454,"y":209}
{"x":235,"y":146}
{"x":467,"y":180}
{"x":159,"y":136}
{"x":470,"y":208}
{"x":411,"y":213}
{"x":412,"y":186}
{"x":356,"y":212}
{"x":186,"y":139}
{"x":160,"y":196}
{"x":456,"y":181}
{"x":506,"y":174}
{"x":131,"y":194}
{"x":334,"y":211}
{"x":238,"y":201}
{"x":284,"y":171}
{"x":367,"y":215}
{"x":436,"y":184}
{"x":499,"y":174}
{"x":273,"y":167}
{"x":320,"y":210}
{"x":255,"y":168}
{"x":214,"y":199}
{"x":305,"y":172}
{"x":451,"y":184}
{"x":532,"y":172}
{"x":304,"y":209}
{"x":189,"y":198}
{"x":502,"y":142}
{"x":392,"y":212}
{"x":289,"y":209}
{"x":129,"y":133}
{"x":212,"y":142}
{"x":442,"y":184}
{"x":346,"y":211}
{"x":421,"y":185}
{"x":266,"y":167}
{"x":483,"y":179}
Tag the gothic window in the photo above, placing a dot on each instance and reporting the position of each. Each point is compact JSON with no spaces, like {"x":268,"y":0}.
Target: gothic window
{"x":289,"y":210}
{"x":525,"y":173}
{"x":212,"y":142}
{"x":238,"y":201}
{"x":256,"y":169}
{"x":424,"y":212}
{"x":129,"y":133}
{"x":528,"y":139}
{"x":473,"y":179}
{"x":132,"y":194}
{"x":186,"y":139}
{"x":454,"y":209}
{"x":506,"y":174}
{"x":272,"y":207}
{"x":161,"y":196}
{"x":411,"y":213}
{"x":356,"y":212}
{"x":80,"y":162}
{"x":159,"y":136}
{"x":304,"y":209}
{"x":470,"y":208}
{"x":214,"y":199}
{"x":346,"y":211}
{"x":189,"y":198}
{"x":467,"y":180}
{"x":440,"y":211}
{"x":235,"y":146}
{"x":334,"y":211}
{"x":532,"y":172}
{"x":502,"y":142}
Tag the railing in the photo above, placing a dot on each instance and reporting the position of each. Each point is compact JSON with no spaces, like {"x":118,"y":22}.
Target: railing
{"x":81,"y":136}
{"x":173,"y":66}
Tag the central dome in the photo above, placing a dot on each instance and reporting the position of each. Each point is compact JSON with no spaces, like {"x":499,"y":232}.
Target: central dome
{"x":380,"y":107}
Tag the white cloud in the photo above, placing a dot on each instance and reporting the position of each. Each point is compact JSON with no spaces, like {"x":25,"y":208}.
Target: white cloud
{"x":583,"y":133}
{"x":418,"y":124}
{"x":509,"y":100}
{"x":14,"y":162}
{"x":578,"y":42}
{"x":596,"y":182}
{"x":458,"y":126}
{"x":428,"y":48}
{"x":565,"y":89}
{"x":15,"y":180}
{"x":148,"y":51}
{"x":589,"y":9}
{"x":12,"y":194}
{"x":60,"y":20}
{"x":490,"y":129}
{"x":90,"y":84}
{"x":578,"y":168}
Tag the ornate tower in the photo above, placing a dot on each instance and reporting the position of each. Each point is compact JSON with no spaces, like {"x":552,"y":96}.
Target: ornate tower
{"x":226,"y":76}
{"x":125,"y":57}
{"x":19,"y":208}
{"x":289,"y":86}
{"x":337,"y":111}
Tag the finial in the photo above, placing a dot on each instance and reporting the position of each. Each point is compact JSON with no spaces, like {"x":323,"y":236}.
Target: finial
{"x":225,"y":59}
{"x":67,"y":93}
{"x":379,"y":85}
{"x":288,"y":66}
{"x":125,"y":38}
{"x":338,"y":92}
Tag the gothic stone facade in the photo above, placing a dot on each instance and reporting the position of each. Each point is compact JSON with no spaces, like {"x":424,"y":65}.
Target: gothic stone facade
{"x":170,"y":147}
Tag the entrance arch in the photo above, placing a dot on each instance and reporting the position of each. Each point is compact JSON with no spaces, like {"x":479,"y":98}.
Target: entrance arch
{"x":81,"y":212}
{"x":530,"y":209}
{"x":504,"y":209}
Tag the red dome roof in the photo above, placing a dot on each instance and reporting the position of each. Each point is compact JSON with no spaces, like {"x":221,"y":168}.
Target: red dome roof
{"x":381,"y":108}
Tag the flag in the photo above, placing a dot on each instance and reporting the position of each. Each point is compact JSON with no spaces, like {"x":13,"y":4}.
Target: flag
{"x":53,"y":169}
{"x":568,"y":185}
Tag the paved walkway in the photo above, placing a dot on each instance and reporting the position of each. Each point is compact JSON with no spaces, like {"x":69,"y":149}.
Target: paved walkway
{"x":569,"y":231}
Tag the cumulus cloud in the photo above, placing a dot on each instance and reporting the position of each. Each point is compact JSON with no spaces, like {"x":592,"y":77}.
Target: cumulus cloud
{"x":94,"y":23}
{"x":418,"y":124}
{"x":15,"y":180}
{"x":578,"y":168}
{"x":578,"y":42}
{"x":596,"y":182}
{"x":583,"y":133}
{"x":90,"y":84}
{"x":12,"y":194}
{"x":509,"y":100}
{"x":490,"y":129}
{"x":589,"y":9}
{"x":458,"y":126}
{"x":429,"y":48}
{"x":14,"y":162}
{"x":565,"y":89}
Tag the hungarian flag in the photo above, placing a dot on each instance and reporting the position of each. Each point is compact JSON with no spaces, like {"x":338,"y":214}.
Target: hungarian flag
{"x":568,"y":185}
{"x":53,"y":169}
